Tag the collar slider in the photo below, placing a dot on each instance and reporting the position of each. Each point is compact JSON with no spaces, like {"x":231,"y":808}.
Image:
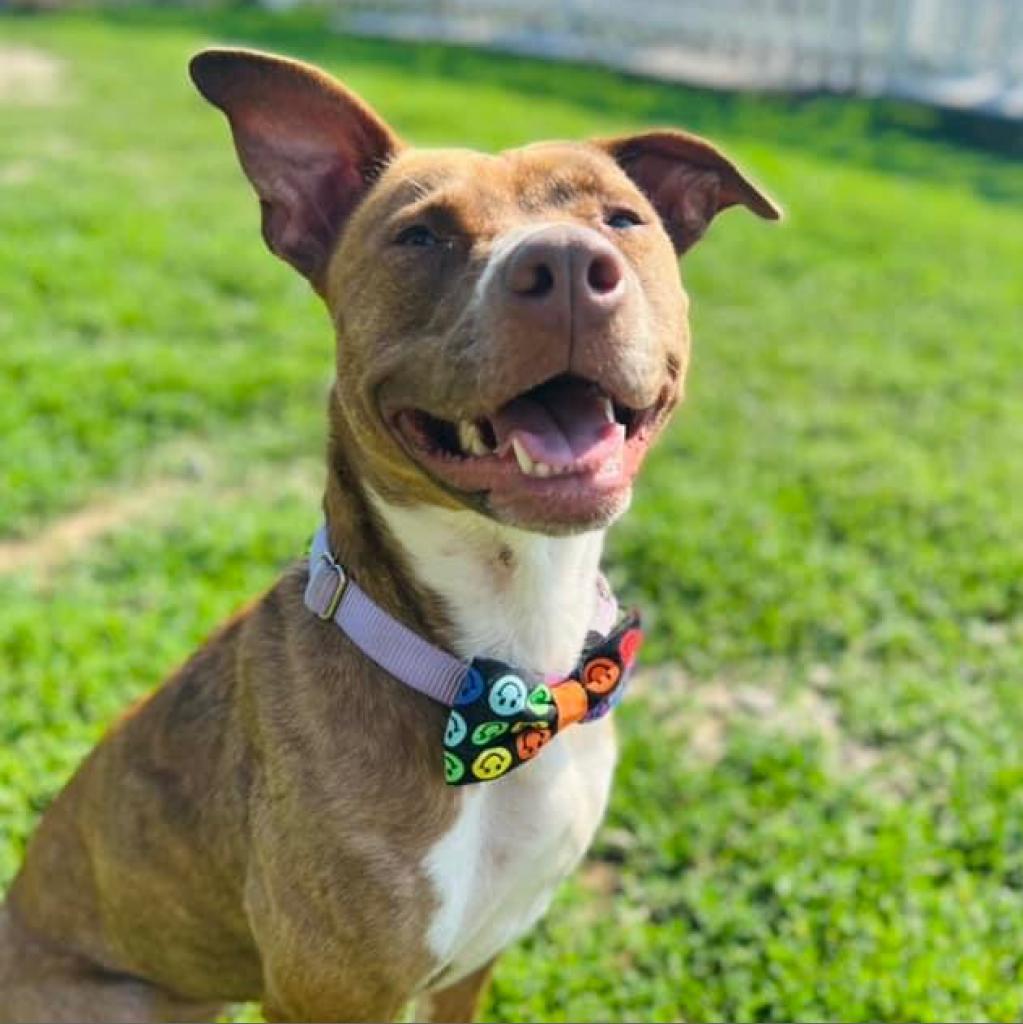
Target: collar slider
{"x":327,"y":584}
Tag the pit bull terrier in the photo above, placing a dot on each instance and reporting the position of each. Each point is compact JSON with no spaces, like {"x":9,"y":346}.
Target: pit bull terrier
{"x":315,"y":810}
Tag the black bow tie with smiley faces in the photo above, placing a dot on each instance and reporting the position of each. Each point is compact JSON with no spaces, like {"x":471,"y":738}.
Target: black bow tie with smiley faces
{"x":503,"y":717}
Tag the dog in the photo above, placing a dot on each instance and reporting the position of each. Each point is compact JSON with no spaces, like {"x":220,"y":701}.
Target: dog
{"x":290,"y":817}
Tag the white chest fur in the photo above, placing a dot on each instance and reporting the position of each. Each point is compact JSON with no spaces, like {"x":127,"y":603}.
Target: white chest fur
{"x":514,"y":841}
{"x":528,"y":600}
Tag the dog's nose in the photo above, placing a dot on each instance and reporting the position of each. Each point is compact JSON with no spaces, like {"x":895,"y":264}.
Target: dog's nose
{"x":566,"y":266}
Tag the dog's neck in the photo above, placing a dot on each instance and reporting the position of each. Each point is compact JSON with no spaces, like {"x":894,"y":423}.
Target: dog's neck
{"x":519,"y":597}
{"x":472,"y":585}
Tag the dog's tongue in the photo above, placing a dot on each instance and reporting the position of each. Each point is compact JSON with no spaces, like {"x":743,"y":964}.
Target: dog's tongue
{"x":561,"y":423}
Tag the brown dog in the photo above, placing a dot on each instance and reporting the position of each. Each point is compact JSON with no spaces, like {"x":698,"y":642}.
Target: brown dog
{"x":274,"y":823}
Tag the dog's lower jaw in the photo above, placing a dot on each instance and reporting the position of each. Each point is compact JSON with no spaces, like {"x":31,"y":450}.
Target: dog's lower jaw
{"x":611,"y":507}
{"x":527,"y":599}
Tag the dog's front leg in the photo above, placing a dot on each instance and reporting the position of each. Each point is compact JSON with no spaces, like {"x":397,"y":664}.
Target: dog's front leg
{"x":354,"y":1005}
{"x":458,"y":1002}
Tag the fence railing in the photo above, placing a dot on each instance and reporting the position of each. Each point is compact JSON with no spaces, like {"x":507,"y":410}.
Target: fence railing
{"x":956,"y":53}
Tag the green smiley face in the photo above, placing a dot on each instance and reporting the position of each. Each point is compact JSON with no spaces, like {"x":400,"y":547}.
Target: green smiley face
{"x":540,"y":700}
{"x":453,"y":767}
{"x":488,"y":731}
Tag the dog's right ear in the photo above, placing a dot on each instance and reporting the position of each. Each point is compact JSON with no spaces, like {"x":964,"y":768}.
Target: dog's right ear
{"x":310,"y":147}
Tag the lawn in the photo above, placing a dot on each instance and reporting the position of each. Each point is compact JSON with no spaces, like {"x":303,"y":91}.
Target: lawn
{"x":819,"y":813}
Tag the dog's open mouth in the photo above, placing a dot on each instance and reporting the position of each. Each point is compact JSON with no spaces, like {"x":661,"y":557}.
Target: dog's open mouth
{"x":565,"y":439}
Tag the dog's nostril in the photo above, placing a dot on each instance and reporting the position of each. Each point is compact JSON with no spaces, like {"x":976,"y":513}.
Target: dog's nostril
{"x":603,"y":274}
{"x":536,"y":282}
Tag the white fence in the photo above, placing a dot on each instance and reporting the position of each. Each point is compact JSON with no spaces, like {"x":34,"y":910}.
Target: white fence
{"x":956,"y":53}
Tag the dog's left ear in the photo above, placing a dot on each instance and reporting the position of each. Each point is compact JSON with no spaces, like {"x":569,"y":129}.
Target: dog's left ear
{"x":687,"y":180}
{"x":311,"y":148}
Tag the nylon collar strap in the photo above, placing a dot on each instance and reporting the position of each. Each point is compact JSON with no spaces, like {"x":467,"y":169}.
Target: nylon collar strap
{"x":332,"y":595}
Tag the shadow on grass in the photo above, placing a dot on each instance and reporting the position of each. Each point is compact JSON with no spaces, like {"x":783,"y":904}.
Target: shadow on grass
{"x":958,"y":149}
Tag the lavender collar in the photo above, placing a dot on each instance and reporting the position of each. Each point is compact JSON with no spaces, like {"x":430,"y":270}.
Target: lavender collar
{"x":501,"y":716}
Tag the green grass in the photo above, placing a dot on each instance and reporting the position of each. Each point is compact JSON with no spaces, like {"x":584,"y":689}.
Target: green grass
{"x":823,"y":817}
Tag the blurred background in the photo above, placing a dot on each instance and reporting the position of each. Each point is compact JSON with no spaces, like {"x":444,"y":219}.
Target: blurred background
{"x":819,"y":813}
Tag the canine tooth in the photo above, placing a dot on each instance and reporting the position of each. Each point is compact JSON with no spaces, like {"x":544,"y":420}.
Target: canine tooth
{"x":608,"y":407}
{"x":525,"y":462}
{"x":470,"y":438}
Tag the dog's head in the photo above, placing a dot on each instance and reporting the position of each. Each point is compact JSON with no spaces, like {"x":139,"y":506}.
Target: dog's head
{"x":511,"y":329}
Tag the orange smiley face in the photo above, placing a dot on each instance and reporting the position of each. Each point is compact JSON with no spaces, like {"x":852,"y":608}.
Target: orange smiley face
{"x":601,"y":675}
{"x":530,"y":742}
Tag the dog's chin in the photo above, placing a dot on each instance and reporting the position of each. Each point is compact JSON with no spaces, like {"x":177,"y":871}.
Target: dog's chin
{"x":561,"y":510}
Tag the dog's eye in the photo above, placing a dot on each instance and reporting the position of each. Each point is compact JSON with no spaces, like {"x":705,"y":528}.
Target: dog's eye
{"x":418,"y":235}
{"x":621,"y":219}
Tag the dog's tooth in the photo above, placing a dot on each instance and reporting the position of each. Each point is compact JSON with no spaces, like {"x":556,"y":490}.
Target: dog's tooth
{"x":466,"y":430}
{"x":608,"y":408}
{"x":542,"y":469}
{"x":471,"y":440}
{"x":522,"y":456}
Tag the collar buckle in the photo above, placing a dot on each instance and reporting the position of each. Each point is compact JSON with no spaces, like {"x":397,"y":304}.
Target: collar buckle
{"x":327,"y":584}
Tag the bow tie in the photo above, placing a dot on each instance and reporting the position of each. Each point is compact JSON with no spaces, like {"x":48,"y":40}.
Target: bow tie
{"x":501,"y":717}
{"x":504,"y":717}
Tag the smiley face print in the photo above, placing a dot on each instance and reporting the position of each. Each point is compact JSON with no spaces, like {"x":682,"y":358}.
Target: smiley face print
{"x":492,"y":763}
{"x":454,"y":769}
{"x":488,"y":731}
{"x":530,"y":741}
{"x":601,"y":675}
{"x":471,"y":689}
{"x":503,"y":717}
{"x":508,"y":695}
{"x":456,"y":729}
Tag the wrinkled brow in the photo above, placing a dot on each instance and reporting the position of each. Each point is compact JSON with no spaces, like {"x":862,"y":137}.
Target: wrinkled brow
{"x":558,"y":189}
{"x":409,"y":190}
